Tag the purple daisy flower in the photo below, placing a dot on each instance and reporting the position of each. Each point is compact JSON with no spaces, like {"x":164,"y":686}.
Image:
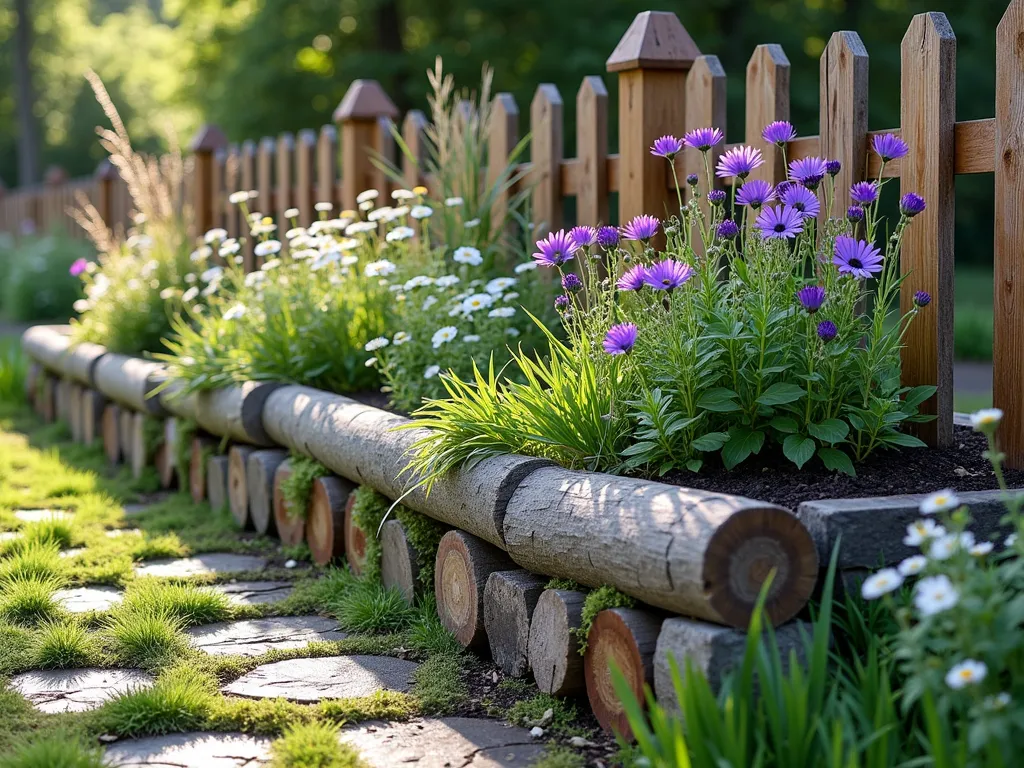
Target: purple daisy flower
{"x":739,"y":161}
{"x":728,"y":230}
{"x":911,"y":204}
{"x":703,"y":139}
{"x":854,"y":214}
{"x":583,"y":236}
{"x":620,"y":339}
{"x":827,"y":330}
{"x":717,"y":196}
{"x":642,"y":227}
{"x":922,"y":299}
{"x":802,"y":199}
{"x":668,"y":275}
{"x":864,"y":192}
{"x":755,"y":193}
{"x":667,"y":147}
{"x":779,"y":133}
{"x":608,"y":237}
{"x":557,"y":248}
{"x":809,"y":171}
{"x":811,"y":297}
{"x":632,"y":279}
{"x":78,"y":266}
{"x":780,"y":222}
{"x":572,"y":283}
{"x":692,"y":179}
{"x":833,"y":167}
{"x":561,"y":303}
{"x":856,"y":257}
{"x":889,"y":146}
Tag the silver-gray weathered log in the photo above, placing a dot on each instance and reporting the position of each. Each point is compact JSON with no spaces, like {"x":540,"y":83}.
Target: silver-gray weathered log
{"x":217,"y":482}
{"x":260,"y":469}
{"x":236,"y":412}
{"x":510,"y":598}
{"x":554,"y":649}
{"x":399,"y":566}
{"x":93,"y":403}
{"x":48,"y":345}
{"x":130,"y":381}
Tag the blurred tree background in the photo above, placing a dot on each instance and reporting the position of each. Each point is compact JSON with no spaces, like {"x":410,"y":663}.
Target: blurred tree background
{"x":259,"y":67}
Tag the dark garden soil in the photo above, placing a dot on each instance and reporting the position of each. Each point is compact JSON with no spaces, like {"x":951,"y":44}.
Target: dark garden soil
{"x":774,"y":479}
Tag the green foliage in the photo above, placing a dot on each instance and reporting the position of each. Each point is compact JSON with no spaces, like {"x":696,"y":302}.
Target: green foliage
{"x":368,"y":512}
{"x":297,"y":487}
{"x":598,"y":600}
{"x":427,"y":633}
{"x":145,"y":639}
{"x":13,"y":371}
{"x":313,"y":745}
{"x":36,"y":282}
{"x":438,"y":683}
{"x":527,"y":712}
{"x":28,"y":600}
{"x":180,"y":700}
{"x":370,"y":608}
{"x":186,"y":604}
{"x":566,"y":584}
{"x":64,"y":645}
{"x":560,"y":757}
{"x":185,"y":430}
{"x":38,"y":560}
{"x":424,"y":534}
{"x":54,"y":750}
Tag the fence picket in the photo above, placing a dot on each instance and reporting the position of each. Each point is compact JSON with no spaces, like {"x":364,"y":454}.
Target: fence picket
{"x":327,"y":165}
{"x":705,"y":107}
{"x":232,"y":183}
{"x":546,"y":113}
{"x":358,"y":113}
{"x":502,"y":140}
{"x":767,"y":94}
{"x":844,"y":110}
{"x":412,"y":135}
{"x":285,"y":157}
{"x":592,"y":151}
{"x":305,"y":162}
{"x":248,"y":173}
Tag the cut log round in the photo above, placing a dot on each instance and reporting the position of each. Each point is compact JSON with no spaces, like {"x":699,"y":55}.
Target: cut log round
{"x":167,"y":456}
{"x":238,"y":485}
{"x":142,"y":454}
{"x":698,"y":553}
{"x":202,"y":446}
{"x":112,"y":432}
{"x":260,"y":471}
{"x":48,"y":406}
{"x":399,"y":567}
{"x":355,"y":539}
{"x":291,"y":524}
{"x":236,"y":412}
{"x":510,"y":598}
{"x":75,"y":411}
{"x":325,"y":523}
{"x":130,"y":381}
{"x":124,"y":428}
{"x":217,"y":482}
{"x":554,"y":648}
{"x":93,"y":405}
{"x":32,"y":379}
{"x":63,"y":398}
{"x":628,"y":637}
{"x":464,"y":563}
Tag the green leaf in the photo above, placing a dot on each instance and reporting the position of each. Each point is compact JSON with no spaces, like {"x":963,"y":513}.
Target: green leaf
{"x":638,"y":448}
{"x":743,"y":441}
{"x":798,"y":449}
{"x":836,"y":460}
{"x":918,"y":395}
{"x":719,"y":399}
{"x":780,"y":394}
{"x":830,"y":430}
{"x":694,"y":465}
{"x":712,"y":441}
{"x":904,"y":440}
{"x":785,"y":424}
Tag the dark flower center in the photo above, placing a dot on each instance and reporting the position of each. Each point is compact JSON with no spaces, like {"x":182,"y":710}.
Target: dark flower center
{"x":800,"y":207}
{"x":856,"y":263}
{"x":665,"y":281}
{"x":780,"y":227}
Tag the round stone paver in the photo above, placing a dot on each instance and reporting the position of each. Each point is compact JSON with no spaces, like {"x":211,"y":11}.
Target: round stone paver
{"x":255,"y":592}
{"x":76,"y":690}
{"x":85,"y":599}
{"x":442,"y":742}
{"x":191,"y":750}
{"x":41,"y":515}
{"x":332,"y":677}
{"x":200,"y":565}
{"x":256,"y":636}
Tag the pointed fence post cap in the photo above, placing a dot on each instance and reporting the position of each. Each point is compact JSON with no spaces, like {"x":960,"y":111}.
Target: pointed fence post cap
{"x":365,"y":100}
{"x":209,"y":138}
{"x":655,"y":40}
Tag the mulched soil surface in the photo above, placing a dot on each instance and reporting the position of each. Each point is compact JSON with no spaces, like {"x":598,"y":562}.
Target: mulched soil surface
{"x":923,"y":470}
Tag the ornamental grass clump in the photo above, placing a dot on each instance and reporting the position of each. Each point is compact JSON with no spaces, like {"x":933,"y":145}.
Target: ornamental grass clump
{"x":761,"y":324}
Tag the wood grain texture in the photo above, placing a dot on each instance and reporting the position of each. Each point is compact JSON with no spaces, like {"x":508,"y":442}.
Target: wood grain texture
{"x":413,"y":127}
{"x":260,"y":469}
{"x":705,"y":107}
{"x":141,"y":452}
{"x":325,"y":523}
{"x":399,"y":567}
{"x":928,"y":116}
{"x":232,"y":183}
{"x":327,"y":165}
{"x":355,"y":539}
{"x":358,"y":137}
{"x":502,"y":138}
{"x":554,"y":648}
{"x":510,"y":598}
{"x":767,"y":100}
{"x":1007,"y":350}
{"x":843,"y":110}
{"x":264,"y":202}
{"x":655,"y":40}
{"x":285,"y":156}
{"x":592,"y":152}
{"x":236,"y":411}
{"x":238,"y":487}
{"x":305,"y":171}
{"x":290,"y":523}
{"x":247,"y":173}
{"x":217,"y":482}
{"x":202,"y":447}
{"x":546,"y":115}
{"x":384,"y":148}
{"x":112,"y":432}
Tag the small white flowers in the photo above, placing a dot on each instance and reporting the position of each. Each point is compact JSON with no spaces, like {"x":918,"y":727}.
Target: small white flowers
{"x":467,"y":254}
{"x":402,"y":337}
{"x":371,"y":362}
{"x":998,"y":702}
{"x":967,"y":672}
{"x":323,"y":207}
{"x":236,"y":198}
{"x":446,"y":281}
{"x":267,"y":248}
{"x":400,"y":233}
{"x":502,"y":312}
{"x":944,"y":547}
{"x":986,"y":419}
{"x":215,"y":235}
{"x":500,"y":285}
{"x":230,"y":248}
{"x":922,"y":530}
{"x":374,"y":344}
{"x":429,"y":302}
{"x":380,"y":268}
{"x":419,"y":281}
{"x":190,"y":294}
{"x":234,"y":312}
{"x":367,"y":194}
{"x":477,"y":301}
{"x":526,"y":266}
{"x":878,"y":584}
{"x":934,"y":595}
{"x":453,"y":202}
{"x":443,"y":336}
{"x":359,"y":227}
{"x":431,"y":371}
{"x":212,"y":274}
{"x":940,"y":501}
{"x":421,"y":211}
{"x":471,"y":338}
{"x":981,"y":549}
{"x":402,"y":194}
{"x":912,"y":565}
{"x":291,"y":213}
{"x":472,"y":224}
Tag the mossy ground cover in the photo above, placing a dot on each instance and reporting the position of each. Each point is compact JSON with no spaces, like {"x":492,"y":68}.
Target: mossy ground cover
{"x":40,"y":469}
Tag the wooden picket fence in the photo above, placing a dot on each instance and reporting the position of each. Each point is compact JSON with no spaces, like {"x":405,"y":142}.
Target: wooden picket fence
{"x":666,"y":85}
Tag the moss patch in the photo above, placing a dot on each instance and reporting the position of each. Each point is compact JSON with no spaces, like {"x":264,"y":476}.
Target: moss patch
{"x":597,"y":601}
{"x":298,"y":486}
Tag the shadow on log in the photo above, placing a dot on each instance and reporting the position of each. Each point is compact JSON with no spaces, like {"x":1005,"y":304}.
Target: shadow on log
{"x":325,"y":522}
{"x":399,"y":567}
{"x":202,"y":447}
{"x":238,"y":485}
{"x":554,"y":649}
{"x":509,"y":601}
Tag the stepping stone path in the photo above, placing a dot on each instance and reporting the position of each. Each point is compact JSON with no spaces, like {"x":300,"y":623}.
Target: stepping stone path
{"x":191,"y":750}
{"x":76,"y":690}
{"x":41,"y":515}
{"x":201,"y":565}
{"x":256,"y":636}
{"x":255,"y":592}
{"x":85,"y":599}
{"x":443,"y":742}
{"x":331,"y":677}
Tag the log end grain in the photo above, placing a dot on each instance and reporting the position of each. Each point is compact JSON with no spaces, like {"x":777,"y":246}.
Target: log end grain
{"x":355,"y":539}
{"x":125,"y":424}
{"x":509,"y":601}
{"x":260,"y":471}
{"x":291,"y":523}
{"x":111,"y":429}
{"x":167,"y":455}
{"x":554,"y":648}
{"x":48,"y":399}
{"x":325,"y":523}
{"x":398,"y":564}
{"x":93,"y":405}
{"x":217,"y":482}
{"x":202,"y":446}
{"x":238,"y":487}
{"x":75,"y":411}
{"x":140,"y":452}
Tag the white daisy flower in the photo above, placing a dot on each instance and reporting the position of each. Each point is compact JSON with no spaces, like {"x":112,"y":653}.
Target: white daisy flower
{"x":421,"y":211}
{"x":267,"y":248}
{"x":234,"y":312}
{"x":379,"y":213}
{"x":431,"y":371}
{"x":922,"y":530}
{"x":200,"y":254}
{"x":371,"y":362}
{"x":168,"y":293}
{"x":444,"y":335}
{"x":230,"y":248}
{"x":269,"y":265}
{"x":986,"y":418}
{"x":379,"y":268}
{"x":510,"y":296}
{"x":513,"y":332}
{"x":428,"y":303}
{"x":477,"y":301}
{"x":400,"y":211}
{"x":500,"y":284}
{"x":305,"y":253}
{"x":400,"y":233}
{"x":295,"y":232}
{"x":403,"y":194}
{"x":446,"y":281}
{"x":255,"y":217}
{"x":367,"y":194}
{"x":267,"y":228}
{"x":291,"y":213}
{"x":452,"y":202}
{"x":212,"y":274}
{"x":997,"y":702}
{"x":367,"y":206}
{"x":526,"y":266}
{"x":323,"y":207}
{"x":254,"y":278}
{"x":374,"y":344}
{"x":1011,"y":540}
{"x":348,"y":261}
{"x":967,"y":672}
{"x":944,"y":547}
{"x":420,"y":281}
{"x":190,"y":294}
{"x":981,"y":549}
{"x":940,"y":501}
{"x":235,"y":198}
{"x":338,"y":224}
{"x":402,"y":337}
{"x":471,"y":338}
{"x":912,"y":565}
{"x":878,"y":584}
{"x":472,"y":224}
{"x":189,"y":278}
{"x":467,"y":254}
{"x":214,"y":235}
{"x":360,"y":227}
{"x":502,"y":312}
{"x":935,"y":594}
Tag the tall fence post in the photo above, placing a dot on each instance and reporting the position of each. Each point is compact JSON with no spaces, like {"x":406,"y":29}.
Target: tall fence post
{"x":504,"y":135}
{"x":208,"y":139}
{"x":104,"y":200}
{"x":546,"y":147}
{"x":843,"y":118}
{"x":358,"y":113}
{"x":1007,"y":350}
{"x":927,"y":120}
{"x":767,"y":101}
{"x":652,"y":60}
{"x":592,"y":151}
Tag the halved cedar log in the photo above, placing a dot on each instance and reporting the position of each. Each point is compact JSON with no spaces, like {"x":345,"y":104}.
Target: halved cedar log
{"x":399,"y":567}
{"x":238,"y":485}
{"x":464,"y":563}
{"x":325,"y":523}
{"x":202,"y":447}
{"x":167,"y":456}
{"x":93,"y":405}
{"x":260,"y":469}
{"x":554,"y":649}
{"x":217,"y":482}
{"x":124,"y":431}
{"x":111,"y":429}
{"x":628,"y":637}
{"x":697,"y":553}
{"x":510,"y":598}
{"x":235,"y":412}
{"x":355,"y":539}
{"x":290,"y":523}
{"x":130,"y":381}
